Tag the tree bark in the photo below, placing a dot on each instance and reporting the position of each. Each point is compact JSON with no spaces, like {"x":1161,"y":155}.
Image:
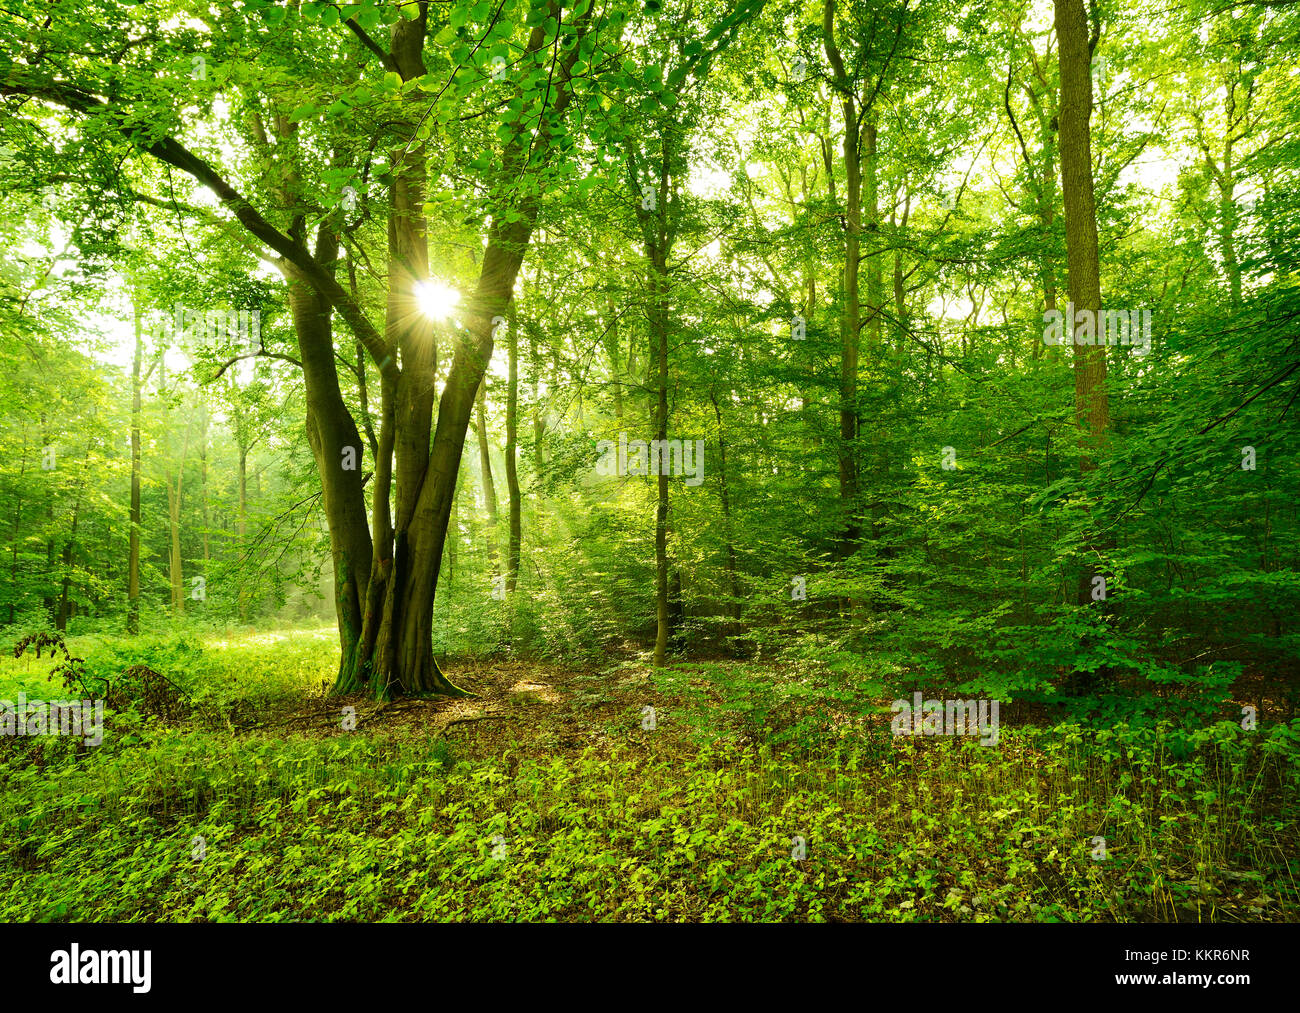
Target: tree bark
{"x":1092,"y":410}
{"x":1091,"y":405}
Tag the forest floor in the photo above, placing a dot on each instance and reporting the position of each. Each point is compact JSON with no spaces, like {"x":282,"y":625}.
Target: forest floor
{"x":555,"y":793}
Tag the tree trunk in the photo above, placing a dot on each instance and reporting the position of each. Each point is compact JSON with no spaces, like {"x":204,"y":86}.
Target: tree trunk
{"x":174,"y":565}
{"x":1091,"y":406}
{"x":241,"y":524}
{"x":485,"y":469}
{"x":203,"y":483}
{"x":512,"y":469}
{"x":1226,"y":179}
{"x":335,"y":443}
{"x":65,"y":606}
{"x":659,"y":332}
{"x":133,"y":550}
{"x":728,"y":530}
{"x":851,"y":319}
{"x":879,"y":367}
{"x":18,"y":520}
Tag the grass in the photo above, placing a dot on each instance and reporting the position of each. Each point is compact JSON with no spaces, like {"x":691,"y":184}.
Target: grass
{"x":545,"y":798}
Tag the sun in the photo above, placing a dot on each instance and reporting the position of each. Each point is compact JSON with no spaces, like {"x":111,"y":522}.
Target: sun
{"x":436,"y":300}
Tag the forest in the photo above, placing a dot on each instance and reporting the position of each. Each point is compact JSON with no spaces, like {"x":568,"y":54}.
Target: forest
{"x":663,"y":461}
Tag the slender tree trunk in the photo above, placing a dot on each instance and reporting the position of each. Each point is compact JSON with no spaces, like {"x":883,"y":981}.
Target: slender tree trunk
{"x":659,"y":333}
{"x":174,"y":573}
{"x":47,"y":599}
{"x":851,"y":319}
{"x":203,"y":484}
{"x":174,"y":501}
{"x":65,"y":609}
{"x":1226,"y":179}
{"x":241,"y":524}
{"x":612,"y":350}
{"x":18,"y":520}
{"x":539,"y":433}
{"x":880,"y":371}
{"x":657,"y":236}
{"x":1047,"y":219}
{"x":512,"y":469}
{"x":733,"y":577}
{"x":133,"y":550}
{"x":485,"y":469}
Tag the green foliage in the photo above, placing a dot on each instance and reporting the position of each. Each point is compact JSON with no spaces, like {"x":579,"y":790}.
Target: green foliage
{"x":376,"y":825}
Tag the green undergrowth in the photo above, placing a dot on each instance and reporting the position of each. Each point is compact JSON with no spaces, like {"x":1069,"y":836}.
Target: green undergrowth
{"x":1063,"y":823}
{"x":376,"y":828}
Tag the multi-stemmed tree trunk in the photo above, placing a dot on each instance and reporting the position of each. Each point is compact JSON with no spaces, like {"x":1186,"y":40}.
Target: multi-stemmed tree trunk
{"x":395,"y":651}
{"x":386,"y":565}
